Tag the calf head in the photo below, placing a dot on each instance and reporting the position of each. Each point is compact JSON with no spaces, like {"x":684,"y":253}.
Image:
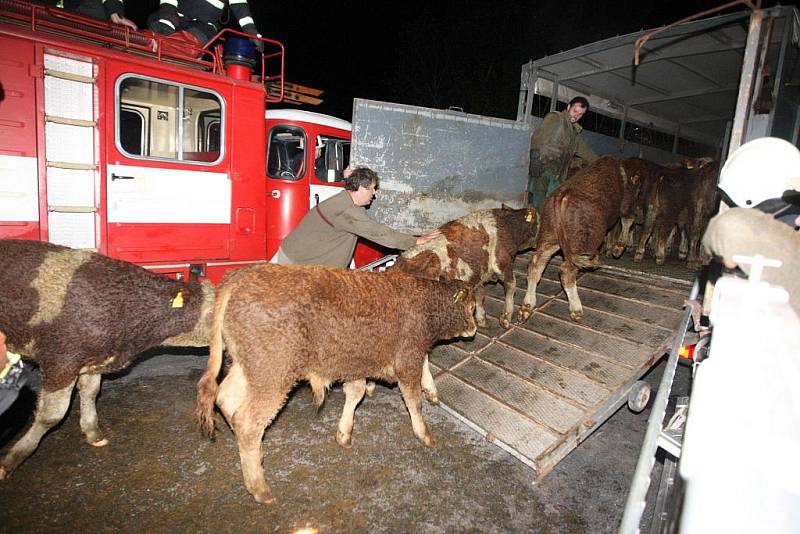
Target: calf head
{"x":460,"y":311}
{"x":199,"y":335}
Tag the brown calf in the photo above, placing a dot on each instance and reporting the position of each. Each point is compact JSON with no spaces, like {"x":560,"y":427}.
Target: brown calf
{"x":662,"y":198}
{"x":680,"y":199}
{"x":283,"y":324}
{"x":477,"y":248}
{"x":575,"y":219}
{"x":701,"y":205}
{"x":78,"y":315}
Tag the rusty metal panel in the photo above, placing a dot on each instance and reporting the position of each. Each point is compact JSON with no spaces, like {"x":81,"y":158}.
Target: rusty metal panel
{"x":509,"y":426}
{"x":601,"y":320}
{"x":557,"y":379}
{"x":437,"y":165}
{"x":601,"y":370}
{"x":655,"y":315}
{"x":614,"y":349}
{"x":476,"y":343}
{"x":534,"y":401}
{"x":545,"y":287}
{"x":643,"y":292}
{"x":446,"y":356}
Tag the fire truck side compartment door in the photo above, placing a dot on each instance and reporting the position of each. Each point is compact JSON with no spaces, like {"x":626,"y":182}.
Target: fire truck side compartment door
{"x":158,"y":195}
{"x":19,"y":189}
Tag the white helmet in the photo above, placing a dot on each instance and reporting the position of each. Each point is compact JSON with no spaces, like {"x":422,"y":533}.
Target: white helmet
{"x":760,"y":170}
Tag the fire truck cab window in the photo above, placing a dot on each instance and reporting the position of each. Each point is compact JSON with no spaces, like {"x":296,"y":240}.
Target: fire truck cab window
{"x":331,"y":157}
{"x":286,"y":153}
{"x":168,"y":121}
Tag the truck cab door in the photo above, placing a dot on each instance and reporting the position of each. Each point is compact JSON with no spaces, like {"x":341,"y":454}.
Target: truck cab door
{"x":287,"y":182}
{"x":168,"y":190}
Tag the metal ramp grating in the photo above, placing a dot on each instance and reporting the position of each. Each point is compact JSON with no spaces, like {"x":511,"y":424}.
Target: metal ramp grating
{"x":540,"y":388}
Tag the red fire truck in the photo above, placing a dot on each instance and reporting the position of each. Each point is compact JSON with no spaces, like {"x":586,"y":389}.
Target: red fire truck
{"x":152,"y":150}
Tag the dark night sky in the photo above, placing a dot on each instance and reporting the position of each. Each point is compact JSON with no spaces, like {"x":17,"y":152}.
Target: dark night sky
{"x":439,"y":53}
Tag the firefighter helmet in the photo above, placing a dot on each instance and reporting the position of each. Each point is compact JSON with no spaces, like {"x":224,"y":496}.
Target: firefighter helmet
{"x":760,"y":170}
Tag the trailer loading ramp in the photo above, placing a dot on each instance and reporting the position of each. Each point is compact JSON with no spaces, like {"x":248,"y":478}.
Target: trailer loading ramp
{"x":540,"y":388}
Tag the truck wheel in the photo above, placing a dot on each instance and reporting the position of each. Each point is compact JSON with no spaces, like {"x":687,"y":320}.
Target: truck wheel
{"x":638,"y":396}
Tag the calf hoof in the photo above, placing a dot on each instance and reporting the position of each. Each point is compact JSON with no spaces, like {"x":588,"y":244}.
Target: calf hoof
{"x":428,"y":441}
{"x":576,"y":315}
{"x":481,"y":322}
{"x":505,"y":320}
{"x":524,"y":313}
{"x":264,"y":497}
{"x":101,"y":443}
{"x":95,"y":438}
{"x":617,"y":250}
{"x":659,"y":261}
{"x":431,"y":398}
{"x":3,"y":473}
{"x":343,"y":440}
{"x":638,"y":258}
{"x":370,"y":389}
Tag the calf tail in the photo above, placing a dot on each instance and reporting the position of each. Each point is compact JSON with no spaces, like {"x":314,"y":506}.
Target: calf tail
{"x":207,"y":386}
{"x":581,"y":261}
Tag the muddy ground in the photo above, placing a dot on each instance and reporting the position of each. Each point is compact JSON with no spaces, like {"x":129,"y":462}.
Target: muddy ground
{"x":159,"y":475}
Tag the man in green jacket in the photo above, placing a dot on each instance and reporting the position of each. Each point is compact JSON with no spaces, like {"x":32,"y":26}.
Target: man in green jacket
{"x":328,"y":233}
{"x":553,"y":145}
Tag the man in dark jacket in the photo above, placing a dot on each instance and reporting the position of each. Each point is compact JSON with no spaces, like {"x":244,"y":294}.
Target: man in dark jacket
{"x":201,"y":18}
{"x":553,"y":145}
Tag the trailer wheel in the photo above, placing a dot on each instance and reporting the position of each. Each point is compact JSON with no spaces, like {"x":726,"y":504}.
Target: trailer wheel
{"x":638,"y":396}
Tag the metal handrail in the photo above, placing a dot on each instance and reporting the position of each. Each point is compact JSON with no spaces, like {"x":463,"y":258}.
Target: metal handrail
{"x":634,"y":505}
{"x":52,"y":19}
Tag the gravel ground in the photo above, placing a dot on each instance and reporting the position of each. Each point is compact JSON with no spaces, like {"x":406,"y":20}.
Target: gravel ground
{"x":159,"y":475}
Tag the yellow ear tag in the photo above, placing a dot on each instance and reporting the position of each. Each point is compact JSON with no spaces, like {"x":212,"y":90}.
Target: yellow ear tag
{"x":529,"y":215}
{"x":177,"y":302}
{"x":459,"y":296}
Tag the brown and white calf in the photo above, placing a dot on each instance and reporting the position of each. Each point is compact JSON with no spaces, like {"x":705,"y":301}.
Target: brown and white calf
{"x":477,"y":248}
{"x":78,"y":315}
{"x":575,"y":219}
{"x":284,"y":324}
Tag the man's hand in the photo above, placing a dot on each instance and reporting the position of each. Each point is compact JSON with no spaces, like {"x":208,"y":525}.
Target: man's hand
{"x":117,"y":19}
{"x":428,"y":237}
